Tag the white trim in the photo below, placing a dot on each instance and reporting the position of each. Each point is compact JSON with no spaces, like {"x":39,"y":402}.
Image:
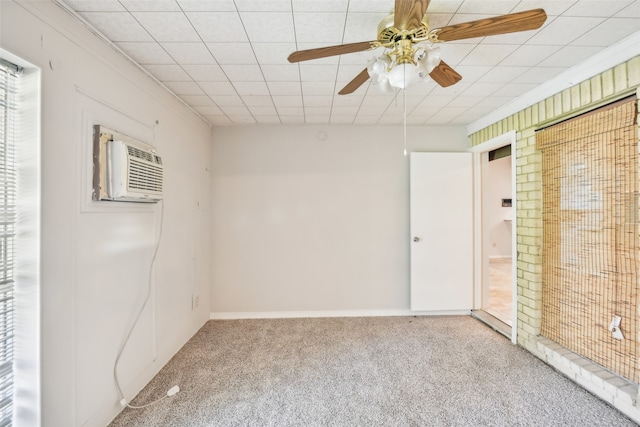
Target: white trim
{"x":596,"y":64}
{"x":508,"y":138}
{"x":229,"y":315}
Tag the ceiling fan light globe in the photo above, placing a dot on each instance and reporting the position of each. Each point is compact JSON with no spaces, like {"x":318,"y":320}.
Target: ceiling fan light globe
{"x":403,"y":75}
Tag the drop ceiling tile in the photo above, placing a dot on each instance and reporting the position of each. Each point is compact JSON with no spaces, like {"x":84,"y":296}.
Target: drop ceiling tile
{"x":146,"y":52}
{"x":189,"y":53}
{"x":471,"y":73}
{"x":488,"y":55}
{"x":502,"y":74}
{"x":538,"y":75}
{"x":207,"y":5}
{"x":95,"y":5}
{"x":277,"y":89}
{"x":490,"y":7}
{"x":273,"y":53}
{"x":444,"y":6}
{"x":276,"y":73}
{"x":483,"y":89}
{"x":347,"y":101}
{"x":288,"y":102}
{"x":251,"y":88}
{"x":342,"y":119}
{"x":344,"y":111}
{"x":292,"y":119}
{"x":198,"y":100}
{"x":219,"y":120}
{"x":168,"y":73}
{"x":569,"y":55}
{"x":454,"y":53}
{"x":263,"y":5}
{"x":317,"y":111}
{"x":243,"y":73}
{"x":184,"y":88}
{"x":515,"y":89}
{"x":232,"y":53}
{"x":235,"y":110}
{"x":318,"y":88}
{"x":439,"y":20}
{"x":347,"y":72}
{"x":290,"y":111}
{"x":631,"y":11}
{"x":564,"y":30}
{"x":465,"y":101}
{"x":209,"y":110}
{"x":320,"y":5}
{"x":227,"y":101}
{"x":551,"y":7}
{"x":150,"y":5}
{"x":609,"y":32}
{"x":267,"y":119}
{"x":530,"y":55}
{"x":118,"y":26}
{"x":263,"y":111}
{"x":167,"y":26}
{"x":242,"y":119}
{"x":319,"y":27}
{"x":362,"y":27}
{"x":257,"y":100}
{"x":268,"y":27}
{"x":384,"y":6}
{"x":218,"y":27}
{"x":206,"y":73}
{"x":366,"y":119}
{"x":317,"y":73}
{"x":597,"y":8}
{"x":317,"y":101}
{"x":218,"y":88}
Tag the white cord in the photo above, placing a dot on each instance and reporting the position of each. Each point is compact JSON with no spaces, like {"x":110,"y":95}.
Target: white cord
{"x":404,"y":96}
{"x":173,"y":390}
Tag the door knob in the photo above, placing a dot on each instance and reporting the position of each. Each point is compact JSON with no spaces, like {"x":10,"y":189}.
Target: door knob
{"x":416,"y":239}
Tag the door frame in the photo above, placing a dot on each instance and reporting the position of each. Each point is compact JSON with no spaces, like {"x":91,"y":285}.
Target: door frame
{"x":508,"y":138}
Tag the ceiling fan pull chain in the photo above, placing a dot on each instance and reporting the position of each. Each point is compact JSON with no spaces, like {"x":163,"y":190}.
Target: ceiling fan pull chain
{"x":404,"y":96}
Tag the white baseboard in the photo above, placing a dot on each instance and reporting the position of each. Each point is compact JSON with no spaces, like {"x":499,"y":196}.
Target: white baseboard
{"x":227,"y":315}
{"x":500,"y":257}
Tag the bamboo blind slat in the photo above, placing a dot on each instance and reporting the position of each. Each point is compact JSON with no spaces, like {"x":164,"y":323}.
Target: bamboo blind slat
{"x":590,"y":236}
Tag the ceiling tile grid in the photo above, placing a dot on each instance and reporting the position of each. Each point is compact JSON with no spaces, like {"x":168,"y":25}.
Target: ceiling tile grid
{"x":228,"y":59}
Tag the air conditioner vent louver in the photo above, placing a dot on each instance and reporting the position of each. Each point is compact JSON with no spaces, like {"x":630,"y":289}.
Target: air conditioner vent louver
{"x":136,"y":172}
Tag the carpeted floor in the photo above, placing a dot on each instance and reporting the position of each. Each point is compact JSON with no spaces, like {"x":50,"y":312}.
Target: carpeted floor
{"x":380,"y":371}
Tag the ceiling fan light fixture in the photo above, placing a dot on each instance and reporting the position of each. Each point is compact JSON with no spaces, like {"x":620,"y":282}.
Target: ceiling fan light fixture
{"x":403,"y":75}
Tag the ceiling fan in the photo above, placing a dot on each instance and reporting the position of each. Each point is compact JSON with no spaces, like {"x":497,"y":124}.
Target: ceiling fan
{"x":410,"y":45}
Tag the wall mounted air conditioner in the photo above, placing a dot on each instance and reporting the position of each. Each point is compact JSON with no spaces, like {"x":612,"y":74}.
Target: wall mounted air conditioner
{"x":125,"y":169}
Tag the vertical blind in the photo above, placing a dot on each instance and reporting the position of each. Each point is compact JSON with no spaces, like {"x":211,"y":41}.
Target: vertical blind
{"x":9,"y":74}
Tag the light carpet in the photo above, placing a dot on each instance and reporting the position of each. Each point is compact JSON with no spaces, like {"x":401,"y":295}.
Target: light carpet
{"x":380,"y":371}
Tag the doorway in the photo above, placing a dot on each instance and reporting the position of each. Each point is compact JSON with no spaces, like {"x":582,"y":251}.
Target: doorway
{"x":495,"y":204}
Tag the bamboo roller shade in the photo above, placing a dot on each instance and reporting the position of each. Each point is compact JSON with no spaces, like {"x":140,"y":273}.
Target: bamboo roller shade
{"x":590,"y":235}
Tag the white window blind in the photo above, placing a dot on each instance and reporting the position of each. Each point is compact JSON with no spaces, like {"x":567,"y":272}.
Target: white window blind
{"x":9,"y":74}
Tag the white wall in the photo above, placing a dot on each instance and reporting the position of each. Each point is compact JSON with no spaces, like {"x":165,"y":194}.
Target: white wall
{"x":314,"y":218}
{"x":95,"y":256}
{"x":496,"y":185}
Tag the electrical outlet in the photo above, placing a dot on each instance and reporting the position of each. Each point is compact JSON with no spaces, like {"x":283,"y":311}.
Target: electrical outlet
{"x":195,"y":301}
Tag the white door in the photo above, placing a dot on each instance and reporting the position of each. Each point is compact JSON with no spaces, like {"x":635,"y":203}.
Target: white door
{"x":441,"y":205}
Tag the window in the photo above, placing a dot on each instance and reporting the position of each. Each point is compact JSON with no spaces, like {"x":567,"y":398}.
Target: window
{"x":9,"y":78}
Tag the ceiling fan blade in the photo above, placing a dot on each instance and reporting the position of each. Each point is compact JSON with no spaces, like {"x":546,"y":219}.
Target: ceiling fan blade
{"x":444,"y":75}
{"x":408,"y":14}
{"x":511,"y":23}
{"x":323,"y":52}
{"x":355,"y":83}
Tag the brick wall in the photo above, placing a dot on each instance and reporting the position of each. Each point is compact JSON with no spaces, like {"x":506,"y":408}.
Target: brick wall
{"x":584,"y":96}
